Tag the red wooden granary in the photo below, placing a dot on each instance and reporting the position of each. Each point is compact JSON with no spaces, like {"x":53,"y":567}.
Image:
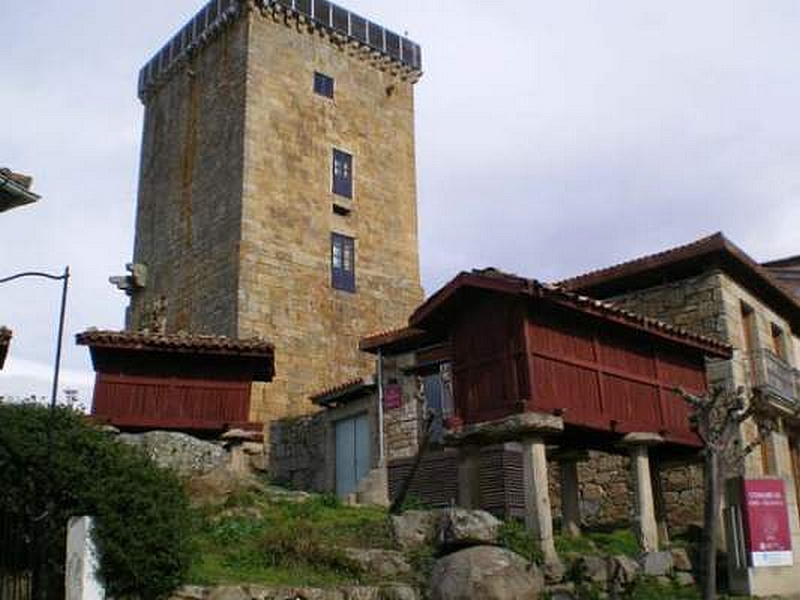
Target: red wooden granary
{"x":520,"y":345}
{"x":191,"y":383}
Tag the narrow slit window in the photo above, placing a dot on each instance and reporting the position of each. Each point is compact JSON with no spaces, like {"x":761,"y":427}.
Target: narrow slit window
{"x":343,"y":263}
{"x":342,"y":174}
{"x":323,"y":85}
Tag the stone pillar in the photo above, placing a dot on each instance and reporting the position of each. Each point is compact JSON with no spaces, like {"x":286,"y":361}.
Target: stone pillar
{"x":469,"y":477}
{"x":538,"y":514}
{"x":81,"y":581}
{"x":660,"y":505}
{"x":570,"y":497}
{"x":645,"y":516}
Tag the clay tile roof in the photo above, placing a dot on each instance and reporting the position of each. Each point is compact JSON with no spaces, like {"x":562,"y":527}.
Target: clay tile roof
{"x":211,"y":344}
{"x":393,"y":339}
{"x":343,"y":391}
{"x":15,"y":189}
{"x":670,"y":256}
{"x":653,"y":325}
{"x":684,"y":261}
{"x":5,"y":341}
{"x":496,"y":280}
{"x":791,"y":261}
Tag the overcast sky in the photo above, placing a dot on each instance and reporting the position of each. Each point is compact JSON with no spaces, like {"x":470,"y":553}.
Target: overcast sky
{"x":552,"y":138}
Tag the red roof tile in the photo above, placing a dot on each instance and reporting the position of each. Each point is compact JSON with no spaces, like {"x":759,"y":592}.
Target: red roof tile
{"x":343,"y":391}
{"x":205,"y":344}
{"x":15,"y":190}
{"x":393,"y":338}
{"x":492,"y":279}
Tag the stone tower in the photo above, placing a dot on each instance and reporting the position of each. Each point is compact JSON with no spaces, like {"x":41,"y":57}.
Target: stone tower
{"x":277,"y":192}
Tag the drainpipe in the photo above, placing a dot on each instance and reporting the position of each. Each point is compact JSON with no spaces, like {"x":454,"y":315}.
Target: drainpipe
{"x":381,"y":441}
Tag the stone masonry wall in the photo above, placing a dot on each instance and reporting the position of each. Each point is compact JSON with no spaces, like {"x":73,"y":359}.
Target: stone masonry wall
{"x":189,"y":204}
{"x":606,"y":492}
{"x":285,"y":290}
{"x":403,"y":425}
{"x":298,"y":452}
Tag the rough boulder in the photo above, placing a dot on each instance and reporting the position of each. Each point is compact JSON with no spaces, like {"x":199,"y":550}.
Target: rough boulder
{"x":485,"y":573}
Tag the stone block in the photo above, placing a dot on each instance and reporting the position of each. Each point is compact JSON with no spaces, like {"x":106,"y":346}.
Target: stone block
{"x":592,"y":568}
{"x":681,"y":560}
{"x":656,"y":564}
{"x":459,"y":527}
{"x":485,"y":573}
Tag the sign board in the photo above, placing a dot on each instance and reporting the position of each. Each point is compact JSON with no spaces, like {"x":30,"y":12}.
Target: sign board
{"x":393,"y":396}
{"x":766,"y":522}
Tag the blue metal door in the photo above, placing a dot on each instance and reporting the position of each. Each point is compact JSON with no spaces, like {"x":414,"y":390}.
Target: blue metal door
{"x":352,"y":453}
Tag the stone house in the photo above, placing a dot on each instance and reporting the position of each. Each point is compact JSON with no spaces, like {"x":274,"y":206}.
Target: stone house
{"x":713,"y":288}
{"x":277,"y":192}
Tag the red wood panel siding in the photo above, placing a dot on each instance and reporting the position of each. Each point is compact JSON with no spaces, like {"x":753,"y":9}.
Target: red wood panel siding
{"x":490,"y":367}
{"x":559,"y":385}
{"x":132,"y":401}
{"x":610,"y":379}
{"x":596,"y":373}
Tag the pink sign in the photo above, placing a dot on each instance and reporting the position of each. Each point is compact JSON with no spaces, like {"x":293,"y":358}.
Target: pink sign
{"x":393,"y":396}
{"x":766,"y":518}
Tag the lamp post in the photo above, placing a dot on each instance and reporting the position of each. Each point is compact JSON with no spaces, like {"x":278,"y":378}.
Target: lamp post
{"x":40,"y":584}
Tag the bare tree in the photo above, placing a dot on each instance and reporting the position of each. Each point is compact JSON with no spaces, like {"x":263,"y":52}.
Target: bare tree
{"x":717,"y":419}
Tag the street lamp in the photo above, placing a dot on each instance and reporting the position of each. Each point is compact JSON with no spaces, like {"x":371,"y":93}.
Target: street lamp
{"x":41,"y":586}
{"x":64,"y":278}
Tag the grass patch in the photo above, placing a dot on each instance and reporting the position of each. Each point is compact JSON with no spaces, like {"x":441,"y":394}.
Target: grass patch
{"x":567,"y":545}
{"x":622,"y":541}
{"x":646,"y":588}
{"x":514,"y":536}
{"x":255,"y":537}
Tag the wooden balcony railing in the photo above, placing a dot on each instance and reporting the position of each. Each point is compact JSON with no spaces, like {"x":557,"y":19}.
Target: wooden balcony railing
{"x":775,"y":376}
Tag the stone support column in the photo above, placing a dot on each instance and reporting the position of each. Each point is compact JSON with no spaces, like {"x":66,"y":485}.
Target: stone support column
{"x":469,"y":477}
{"x":570,"y":497}
{"x":645,"y":514}
{"x":660,"y":505}
{"x":538,"y":514}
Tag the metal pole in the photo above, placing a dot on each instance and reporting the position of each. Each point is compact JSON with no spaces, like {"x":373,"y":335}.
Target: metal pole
{"x":381,"y":437}
{"x":57,"y":369}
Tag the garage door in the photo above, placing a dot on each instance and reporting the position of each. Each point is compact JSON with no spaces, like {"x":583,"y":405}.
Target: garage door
{"x":352,"y":453}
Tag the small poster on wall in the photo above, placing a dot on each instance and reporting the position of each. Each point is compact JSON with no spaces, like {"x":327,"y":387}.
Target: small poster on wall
{"x":769,"y":541}
{"x":393,"y":396}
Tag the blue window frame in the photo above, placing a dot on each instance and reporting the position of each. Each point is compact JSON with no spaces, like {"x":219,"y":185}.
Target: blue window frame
{"x":323,"y":85}
{"x":343,"y":263}
{"x":342,"y":173}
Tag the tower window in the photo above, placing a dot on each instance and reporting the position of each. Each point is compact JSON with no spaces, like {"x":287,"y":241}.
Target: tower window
{"x":323,"y":85}
{"x":342,"y":173}
{"x":343,"y":262}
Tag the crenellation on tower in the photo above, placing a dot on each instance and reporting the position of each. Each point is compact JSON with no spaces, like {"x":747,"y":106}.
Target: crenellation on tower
{"x":381,"y":46}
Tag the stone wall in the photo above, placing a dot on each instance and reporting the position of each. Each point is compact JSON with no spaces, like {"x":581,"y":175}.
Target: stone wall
{"x":403,"y":427}
{"x":288,"y":216}
{"x":298,"y":452}
{"x":606,"y":492}
{"x":190,"y":179}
